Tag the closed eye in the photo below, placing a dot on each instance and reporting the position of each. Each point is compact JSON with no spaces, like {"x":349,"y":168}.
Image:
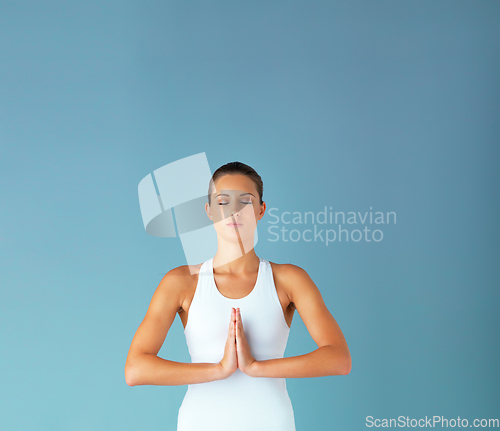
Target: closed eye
{"x":225,"y":203}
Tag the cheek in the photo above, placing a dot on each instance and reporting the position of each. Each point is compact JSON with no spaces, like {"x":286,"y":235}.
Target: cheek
{"x":219,"y":212}
{"x":252,"y":214}
{"x":250,"y":211}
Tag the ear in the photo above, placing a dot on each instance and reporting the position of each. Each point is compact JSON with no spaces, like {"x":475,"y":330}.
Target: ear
{"x":262,"y":210}
{"x":208,"y":210}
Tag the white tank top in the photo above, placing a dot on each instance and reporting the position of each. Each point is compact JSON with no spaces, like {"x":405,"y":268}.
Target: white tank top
{"x":240,"y":402}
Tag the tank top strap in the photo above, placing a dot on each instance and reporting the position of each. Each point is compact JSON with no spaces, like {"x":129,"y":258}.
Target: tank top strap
{"x":266,"y":275}
{"x":266,"y":280}
{"x":203,"y":287}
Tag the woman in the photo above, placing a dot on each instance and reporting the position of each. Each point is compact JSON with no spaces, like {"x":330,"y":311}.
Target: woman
{"x":236,"y":309}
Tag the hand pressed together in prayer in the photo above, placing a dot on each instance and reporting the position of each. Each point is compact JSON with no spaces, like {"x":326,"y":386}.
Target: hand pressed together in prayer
{"x":237,"y":353}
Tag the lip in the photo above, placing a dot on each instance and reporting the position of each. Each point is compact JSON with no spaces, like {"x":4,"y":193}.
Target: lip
{"x":234,"y":224}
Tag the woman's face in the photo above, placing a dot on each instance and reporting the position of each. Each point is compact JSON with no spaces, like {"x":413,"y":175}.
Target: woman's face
{"x":235,"y":200}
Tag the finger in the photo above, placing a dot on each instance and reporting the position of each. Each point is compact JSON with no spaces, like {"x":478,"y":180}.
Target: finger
{"x":240,"y":322}
{"x":238,"y":331}
{"x":232,"y":331}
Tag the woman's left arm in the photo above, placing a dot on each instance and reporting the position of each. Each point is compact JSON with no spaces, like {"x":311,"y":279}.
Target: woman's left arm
{"x":332,"y":357}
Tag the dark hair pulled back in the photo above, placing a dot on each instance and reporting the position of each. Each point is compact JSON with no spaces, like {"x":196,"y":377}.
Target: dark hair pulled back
{"x":237,"y":168}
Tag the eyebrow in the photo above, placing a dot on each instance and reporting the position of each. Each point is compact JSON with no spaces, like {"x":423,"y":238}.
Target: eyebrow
{"x":225,"y":194}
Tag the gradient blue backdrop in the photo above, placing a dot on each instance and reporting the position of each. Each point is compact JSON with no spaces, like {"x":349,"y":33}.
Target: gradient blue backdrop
{"x":351,"y":104}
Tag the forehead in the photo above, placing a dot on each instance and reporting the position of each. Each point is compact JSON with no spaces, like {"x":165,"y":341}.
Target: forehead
{"x":235,"y":182}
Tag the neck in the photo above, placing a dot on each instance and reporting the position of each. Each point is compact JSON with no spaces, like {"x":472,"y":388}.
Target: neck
{"x":229,"y":257}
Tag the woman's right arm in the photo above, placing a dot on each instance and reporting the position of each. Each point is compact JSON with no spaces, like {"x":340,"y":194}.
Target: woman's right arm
{"x":143,"y":366}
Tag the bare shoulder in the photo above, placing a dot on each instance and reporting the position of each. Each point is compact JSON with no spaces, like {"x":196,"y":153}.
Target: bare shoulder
{"x":288,"y":271}
{"x":178,"y":282}
{"x":292,"y":279}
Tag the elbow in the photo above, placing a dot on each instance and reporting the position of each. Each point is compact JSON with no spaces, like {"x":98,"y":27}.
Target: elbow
{"x":131,"y":377}
{"x":347,"y":365}
{"x":129,"y":380}
{"x":347,"y":368}
{"x":341,"y":364}
{"x":341,"y":369}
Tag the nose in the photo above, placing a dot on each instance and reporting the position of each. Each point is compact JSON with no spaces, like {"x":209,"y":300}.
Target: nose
{"x":232,"y":210}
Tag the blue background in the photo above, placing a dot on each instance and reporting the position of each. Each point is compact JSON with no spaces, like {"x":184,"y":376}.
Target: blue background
{"x":350,"y":104}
